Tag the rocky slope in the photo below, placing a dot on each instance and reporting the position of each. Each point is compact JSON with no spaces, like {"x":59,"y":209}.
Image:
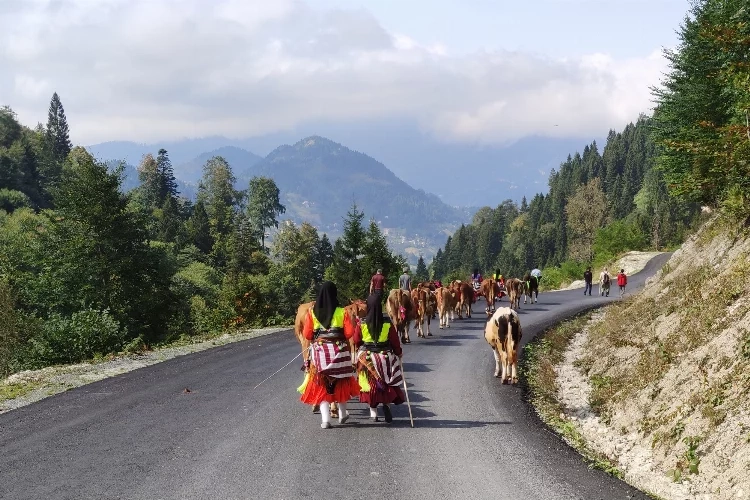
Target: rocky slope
{"x":660,"y":382}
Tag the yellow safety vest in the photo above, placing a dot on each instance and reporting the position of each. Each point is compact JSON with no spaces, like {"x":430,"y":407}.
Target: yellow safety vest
{"x":337,"y":325}
{"x":382,"y":339}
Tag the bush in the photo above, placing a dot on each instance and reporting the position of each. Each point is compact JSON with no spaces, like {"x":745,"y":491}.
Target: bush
{"x":197,"y":279}
{"x":616,"y":238}
{"x":81,"y":336}
{"x":11,"y":199}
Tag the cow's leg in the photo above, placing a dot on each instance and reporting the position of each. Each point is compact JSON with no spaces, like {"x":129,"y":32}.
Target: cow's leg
{"x":504,"y":361}
{"x":514,"y":367}
{"x":497,"y":361}
{"x":428,"y":323}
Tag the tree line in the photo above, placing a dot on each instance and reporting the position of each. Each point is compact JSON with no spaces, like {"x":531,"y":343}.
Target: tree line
{"x":598,"y":205}
{"x":87,"y":269}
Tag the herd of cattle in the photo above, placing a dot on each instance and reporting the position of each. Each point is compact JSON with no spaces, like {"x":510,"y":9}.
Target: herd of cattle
{"x":428,"y":299}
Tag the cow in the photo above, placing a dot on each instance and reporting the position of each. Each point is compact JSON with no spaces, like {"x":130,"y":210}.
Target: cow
{"x":401,"y":311}
{"x":422,"y":299}
{"x":531,"y":287}
{"x":503,"y":333}
{"x":515,"y":289}
{"x":488,"y":290}
{"x":465,"y":297}
{"x":356,"y":309}
{"x":446,"y":305}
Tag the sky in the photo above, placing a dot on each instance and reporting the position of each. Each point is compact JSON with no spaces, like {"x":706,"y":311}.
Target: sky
{"x":475,"y":71}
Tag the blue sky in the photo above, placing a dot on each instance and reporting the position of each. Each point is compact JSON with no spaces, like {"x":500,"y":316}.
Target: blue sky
{"x":558,"y":28}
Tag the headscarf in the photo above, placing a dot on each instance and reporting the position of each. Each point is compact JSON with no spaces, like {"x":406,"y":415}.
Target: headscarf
{"x":326,"y":303}
{"x":374,"y":318}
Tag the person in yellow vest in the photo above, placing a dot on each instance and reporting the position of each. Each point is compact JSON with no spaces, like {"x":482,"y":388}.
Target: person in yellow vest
{"x":378,"y":361}
{"x":332,"y":374}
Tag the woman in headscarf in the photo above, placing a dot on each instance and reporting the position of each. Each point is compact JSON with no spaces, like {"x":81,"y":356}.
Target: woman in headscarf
{"x":332,"y":379}
{"x":378,"y":361}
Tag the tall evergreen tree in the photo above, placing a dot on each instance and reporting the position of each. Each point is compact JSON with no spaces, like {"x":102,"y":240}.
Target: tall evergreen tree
{"x":58,"y":133}
{"x":421,"y":273}
{"x":167,"y":181}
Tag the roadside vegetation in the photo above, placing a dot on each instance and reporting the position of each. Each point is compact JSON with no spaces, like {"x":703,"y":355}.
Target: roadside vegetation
{"x":87,"y":270}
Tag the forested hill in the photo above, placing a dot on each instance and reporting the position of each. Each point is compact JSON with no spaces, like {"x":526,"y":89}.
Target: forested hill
{"x":319,"y":179}
{"x":598,"y":205}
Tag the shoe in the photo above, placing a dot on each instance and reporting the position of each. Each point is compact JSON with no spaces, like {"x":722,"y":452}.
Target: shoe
{"x":343,"y":419}
{"x":387,"y":413}
{"x":325,"y":425}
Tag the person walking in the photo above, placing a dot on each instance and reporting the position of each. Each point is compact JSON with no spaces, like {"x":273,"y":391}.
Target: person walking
{"x":378,"y":361}
{"x":587,"y":277}
{"x":332,"y":375}
{"x":377,"y":282}
{"x":622,"y":281}
{"x":604,"y":280}
{"x":404,"y":281}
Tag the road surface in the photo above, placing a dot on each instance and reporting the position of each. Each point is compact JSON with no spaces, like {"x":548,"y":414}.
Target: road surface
{"x":140,"y":436}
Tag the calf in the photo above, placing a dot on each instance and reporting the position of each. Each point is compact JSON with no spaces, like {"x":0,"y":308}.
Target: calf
{"x":503,"y":333}
{"x":515,"y":289}
{"x":446,"y":305}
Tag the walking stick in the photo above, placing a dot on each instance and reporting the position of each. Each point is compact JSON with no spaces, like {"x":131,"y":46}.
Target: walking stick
{"x":408,"y":404}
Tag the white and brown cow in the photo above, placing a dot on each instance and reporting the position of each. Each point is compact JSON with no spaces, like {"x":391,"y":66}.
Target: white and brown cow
{"x":503,"y":333}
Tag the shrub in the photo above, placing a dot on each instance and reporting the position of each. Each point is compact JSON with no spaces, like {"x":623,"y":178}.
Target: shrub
{"x":76,"y":338}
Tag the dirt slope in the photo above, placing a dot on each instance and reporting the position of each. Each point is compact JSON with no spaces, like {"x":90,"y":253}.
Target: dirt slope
{"x":660,"y":382}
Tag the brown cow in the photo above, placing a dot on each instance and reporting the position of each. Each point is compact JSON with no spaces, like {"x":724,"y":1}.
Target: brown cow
{"x":446,"y":305}
{"x":503,"y":333}
{"x":488,"y":290}
{"x":401,"y":311}
{"x":515,"y":289}
{"x":356,"y":309}
{"x":464,"y":297}
{"x":424,"y":305}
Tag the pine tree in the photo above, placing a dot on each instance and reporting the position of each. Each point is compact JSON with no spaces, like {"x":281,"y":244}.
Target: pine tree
{"x":58,"y":138}
{"x":347,"y":270}
{"x":421,"y":273}
{"x":167,"y":181}
{"x":323,"y":257}
{"x":199,"y":229}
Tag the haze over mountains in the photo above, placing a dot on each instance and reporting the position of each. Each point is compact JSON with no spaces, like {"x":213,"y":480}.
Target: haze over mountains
{"x":319,"y":179}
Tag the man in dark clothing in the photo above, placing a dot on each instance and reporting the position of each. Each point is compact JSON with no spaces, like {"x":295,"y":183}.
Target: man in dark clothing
{"x":377,"y":282}
{"x":587,"y":277}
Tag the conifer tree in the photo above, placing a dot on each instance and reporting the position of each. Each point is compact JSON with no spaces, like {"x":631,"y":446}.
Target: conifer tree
{"x":58,"y":138}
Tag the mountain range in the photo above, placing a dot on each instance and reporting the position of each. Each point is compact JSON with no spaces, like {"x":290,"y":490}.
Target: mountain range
{"x":320,"y":179}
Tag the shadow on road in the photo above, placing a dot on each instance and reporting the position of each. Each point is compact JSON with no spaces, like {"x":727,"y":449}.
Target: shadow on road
{"x":416,"y":367}
{"x":441,"y":342}
{"x":447,"y":424}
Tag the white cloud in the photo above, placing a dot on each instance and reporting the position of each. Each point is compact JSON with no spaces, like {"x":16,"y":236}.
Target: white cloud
{"x":163,"y":69}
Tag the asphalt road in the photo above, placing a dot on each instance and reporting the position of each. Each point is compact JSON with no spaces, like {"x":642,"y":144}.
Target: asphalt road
{"x":139,"y":436}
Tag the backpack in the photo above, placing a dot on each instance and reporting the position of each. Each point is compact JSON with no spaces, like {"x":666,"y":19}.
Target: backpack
{"x":606,"y":278}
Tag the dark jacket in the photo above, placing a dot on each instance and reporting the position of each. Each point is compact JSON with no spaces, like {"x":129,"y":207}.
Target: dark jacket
{"x":587,"y":276}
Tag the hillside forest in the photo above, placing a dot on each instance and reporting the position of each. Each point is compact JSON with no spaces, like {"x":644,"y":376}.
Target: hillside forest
{"x":646,"y":187}
{"x":88,"y":267}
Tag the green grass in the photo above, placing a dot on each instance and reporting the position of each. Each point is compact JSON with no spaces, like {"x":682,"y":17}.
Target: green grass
{"x":17,"y":390}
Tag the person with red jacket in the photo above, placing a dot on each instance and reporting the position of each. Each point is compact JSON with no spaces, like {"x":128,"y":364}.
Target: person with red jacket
{"x":622,"y":281}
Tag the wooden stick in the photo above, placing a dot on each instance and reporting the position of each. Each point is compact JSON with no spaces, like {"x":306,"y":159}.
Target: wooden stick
{"x":408,"y":404}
